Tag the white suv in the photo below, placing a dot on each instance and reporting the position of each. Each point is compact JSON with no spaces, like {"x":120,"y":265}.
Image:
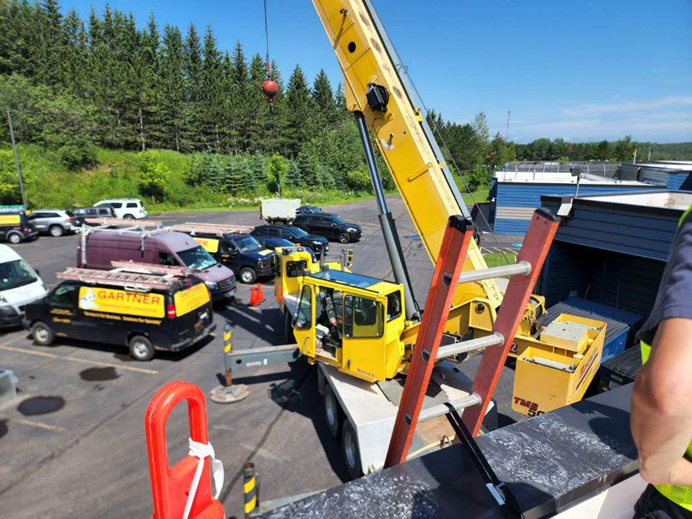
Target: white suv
{"x":127,"y":208}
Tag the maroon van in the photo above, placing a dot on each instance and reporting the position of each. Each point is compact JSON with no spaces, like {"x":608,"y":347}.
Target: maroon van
{"x":99,"y":248}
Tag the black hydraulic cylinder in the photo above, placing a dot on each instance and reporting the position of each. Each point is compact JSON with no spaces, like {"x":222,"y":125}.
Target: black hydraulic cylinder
{"x":391,"y":238}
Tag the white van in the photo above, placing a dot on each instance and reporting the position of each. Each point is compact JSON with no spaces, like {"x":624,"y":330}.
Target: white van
{"x":19,"y":286}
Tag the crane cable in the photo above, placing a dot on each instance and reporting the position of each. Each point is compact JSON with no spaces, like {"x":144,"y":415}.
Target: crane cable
{"x":267,"y":66}
{"x":456,"y":168}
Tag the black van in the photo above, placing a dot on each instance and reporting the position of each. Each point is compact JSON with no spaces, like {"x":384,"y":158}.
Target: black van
{"x":15,"y":226}
{"x":142,"y":309}
{"x":242,"y":253}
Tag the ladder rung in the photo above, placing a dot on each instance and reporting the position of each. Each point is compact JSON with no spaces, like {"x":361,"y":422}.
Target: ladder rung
{"x":494,"y":339}
{"x":443,"y":409}
{"x":522,"y":268}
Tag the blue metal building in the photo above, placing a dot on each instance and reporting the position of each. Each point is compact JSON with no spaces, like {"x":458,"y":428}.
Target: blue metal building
{"x":609,"y":254}
{"x":515,"y":194}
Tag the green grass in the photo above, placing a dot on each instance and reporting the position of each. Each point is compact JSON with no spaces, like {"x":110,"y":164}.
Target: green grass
{"x":478,"y":196}
{"x":497,"y":259}
{"x":49,"y":184}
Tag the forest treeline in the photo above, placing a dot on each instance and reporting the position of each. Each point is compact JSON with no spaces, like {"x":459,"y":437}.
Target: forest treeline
{"x":76,"y":86}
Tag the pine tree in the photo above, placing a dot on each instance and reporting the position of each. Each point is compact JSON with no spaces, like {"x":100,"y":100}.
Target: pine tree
{"x":323,"y":98}
{"x":299,"y":112}
{"x":172,"y":88}
{"x":212,"y":91}
{"x":240,"y":89}
{"x":192,"y":59}
{"x":51,"y":49}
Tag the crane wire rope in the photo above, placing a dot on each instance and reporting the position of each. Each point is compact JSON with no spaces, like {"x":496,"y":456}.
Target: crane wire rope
{"x":267,"y":65}
{"x":436,"y":129}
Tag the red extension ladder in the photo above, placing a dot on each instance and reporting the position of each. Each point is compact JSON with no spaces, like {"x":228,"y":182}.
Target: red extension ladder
{"x":427,"y":350}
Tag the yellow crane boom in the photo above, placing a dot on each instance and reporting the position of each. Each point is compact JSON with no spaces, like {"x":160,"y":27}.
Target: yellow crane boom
{"x":371,"y":67}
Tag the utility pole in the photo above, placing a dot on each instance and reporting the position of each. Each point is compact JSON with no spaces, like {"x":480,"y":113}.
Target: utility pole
{"x":16,"y":157}
{"x":507,"y":131}
{"x":649,"y":157}
{"x":634,"y":159}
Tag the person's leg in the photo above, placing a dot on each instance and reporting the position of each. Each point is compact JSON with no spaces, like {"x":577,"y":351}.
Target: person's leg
{"x":654,"y":505}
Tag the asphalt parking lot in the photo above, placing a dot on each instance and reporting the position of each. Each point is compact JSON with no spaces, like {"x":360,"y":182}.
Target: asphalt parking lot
{"x":73,"y":445}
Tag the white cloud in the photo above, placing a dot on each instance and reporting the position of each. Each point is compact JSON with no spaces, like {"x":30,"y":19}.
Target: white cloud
{"x":591,"y":110}
{"x":667,"y":119}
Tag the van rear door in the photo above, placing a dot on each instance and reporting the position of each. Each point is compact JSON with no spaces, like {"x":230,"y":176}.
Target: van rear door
{"x":193,"y":312}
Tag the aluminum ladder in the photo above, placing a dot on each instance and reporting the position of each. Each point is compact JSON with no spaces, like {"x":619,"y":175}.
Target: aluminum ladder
{"x":495,"y":346}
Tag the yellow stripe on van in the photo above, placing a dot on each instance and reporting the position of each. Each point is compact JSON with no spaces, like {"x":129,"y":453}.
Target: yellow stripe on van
{"x":208,"y":244}
{"x":191,"y":299}
{"x":113,"y":301}
{"x":10,"y":219}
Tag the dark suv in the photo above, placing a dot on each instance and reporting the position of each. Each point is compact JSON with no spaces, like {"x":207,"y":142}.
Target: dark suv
{"x":82,"y":213}
{"x":330,"y":226}
{"x":318,"y":244}
{"x":309,"y":209}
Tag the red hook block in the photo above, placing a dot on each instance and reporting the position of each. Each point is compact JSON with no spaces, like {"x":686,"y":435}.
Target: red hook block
{"x":171,"y":485}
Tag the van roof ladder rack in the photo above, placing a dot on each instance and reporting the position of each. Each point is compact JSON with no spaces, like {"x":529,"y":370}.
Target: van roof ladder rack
{"x":212,"y":228}
{"x":132,"y":280}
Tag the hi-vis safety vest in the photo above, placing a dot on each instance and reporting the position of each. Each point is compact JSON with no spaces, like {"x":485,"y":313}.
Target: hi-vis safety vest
{"x":677,"y":494}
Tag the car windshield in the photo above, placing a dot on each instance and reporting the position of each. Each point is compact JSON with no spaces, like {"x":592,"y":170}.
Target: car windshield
{"x":69,"y":213}
{"x":247,"y":244}
{"x":297,"y":231}
{"x":197,"y":258}
{"x":15,"y":274}
{"x":338,"y":220}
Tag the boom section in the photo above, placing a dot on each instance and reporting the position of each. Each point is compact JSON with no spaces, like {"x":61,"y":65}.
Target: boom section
{"x":367,"y":58}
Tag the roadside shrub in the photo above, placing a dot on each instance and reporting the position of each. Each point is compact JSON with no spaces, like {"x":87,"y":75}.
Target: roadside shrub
{"x":358,"y":180}
{"x":78,"y":156}
{"x":9,"y":182}
{"x":478,"y":178}
{"x":153,"y":177}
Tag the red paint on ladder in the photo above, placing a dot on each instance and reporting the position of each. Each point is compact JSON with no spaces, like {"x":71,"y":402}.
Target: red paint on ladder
{"x":455,"y":244}
{"x":535,"y":248}
{"x":171,"y":485}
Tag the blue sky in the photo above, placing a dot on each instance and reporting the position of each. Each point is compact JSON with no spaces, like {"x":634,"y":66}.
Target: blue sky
{"x":579,"y":69}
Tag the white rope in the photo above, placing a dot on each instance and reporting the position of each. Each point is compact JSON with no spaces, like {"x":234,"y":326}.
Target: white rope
{"x":201,"y":451}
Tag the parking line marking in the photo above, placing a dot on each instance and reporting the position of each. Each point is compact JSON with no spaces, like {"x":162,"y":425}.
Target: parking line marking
{"x":75,"y":359}
{"x":41,"y":425}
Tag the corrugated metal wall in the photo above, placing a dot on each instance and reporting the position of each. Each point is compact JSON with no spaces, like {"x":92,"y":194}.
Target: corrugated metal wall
{"x":514,"y":202}
{"x":609,"y":255}
{"x":620,"y":230}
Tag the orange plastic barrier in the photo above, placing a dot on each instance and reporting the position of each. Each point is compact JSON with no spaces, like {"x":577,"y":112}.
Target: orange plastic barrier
{"x":171,"y":485}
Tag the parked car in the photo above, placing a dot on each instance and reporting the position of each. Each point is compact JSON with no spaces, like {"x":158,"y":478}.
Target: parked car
{"x":125,"y":208}
{"x":82,"y":213}
{"x":273,"y":243}
{"x":15,"y":226}
{"x":330,"y":226}
{"x":318,"y":244}
{"x":242,"y":253}
{"x":172,"y":317}
{"x":99,"y":248}
{"x":55,"y":222}
{"x":309,"y":209}
{"x":19,"y":286}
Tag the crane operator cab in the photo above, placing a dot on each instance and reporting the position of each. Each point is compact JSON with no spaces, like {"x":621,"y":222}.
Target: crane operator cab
{"x":352,"y":322}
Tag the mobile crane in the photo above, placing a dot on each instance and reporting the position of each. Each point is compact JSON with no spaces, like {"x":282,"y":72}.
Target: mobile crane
{"x":360,"y":330}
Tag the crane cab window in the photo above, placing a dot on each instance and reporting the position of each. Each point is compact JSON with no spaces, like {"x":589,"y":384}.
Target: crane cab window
{"x":304,"y":313}
{"x":295,"y":268}
{"x":393,"y":306}
{"x":363,"y":318}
